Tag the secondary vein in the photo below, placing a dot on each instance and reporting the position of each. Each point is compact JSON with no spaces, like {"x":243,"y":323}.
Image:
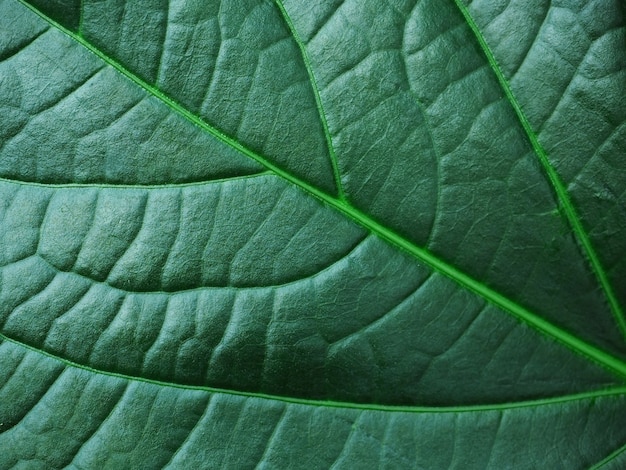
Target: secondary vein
{"x":559,"y":188}
{"x":615,"y":391}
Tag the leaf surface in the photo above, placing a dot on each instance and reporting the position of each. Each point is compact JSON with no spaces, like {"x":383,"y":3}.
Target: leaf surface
{"x":284,"y":234}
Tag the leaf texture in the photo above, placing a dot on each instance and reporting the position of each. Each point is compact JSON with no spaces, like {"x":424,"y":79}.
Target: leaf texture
{"x":292,"y":234}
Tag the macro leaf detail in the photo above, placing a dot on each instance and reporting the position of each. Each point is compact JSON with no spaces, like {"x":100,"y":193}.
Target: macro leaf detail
{"x":292,"y":234}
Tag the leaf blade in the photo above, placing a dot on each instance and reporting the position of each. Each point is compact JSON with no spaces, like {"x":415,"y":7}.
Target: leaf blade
{"x":389,"y":347}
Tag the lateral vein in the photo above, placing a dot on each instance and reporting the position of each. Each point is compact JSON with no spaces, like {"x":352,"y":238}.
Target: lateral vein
{"x":559,"y":188}
{"x":592,"y":395}
{"x":318,"y":99}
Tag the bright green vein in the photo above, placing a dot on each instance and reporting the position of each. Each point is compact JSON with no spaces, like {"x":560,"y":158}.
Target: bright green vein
{"x":616,"y":391}
{"x":555,"y":180}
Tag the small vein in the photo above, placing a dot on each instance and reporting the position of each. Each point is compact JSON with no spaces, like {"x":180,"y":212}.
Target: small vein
{"x":349,"y":437}
{"x":275,"y":432}
{"x":252,"y":239}
{"x":384,"y":316}
{"x":566,"y":90}
{"x":143,"y":209}
{"x":36,"y":402}
{"x":164,"y":43}
{"x":191,"y":432}
{"x":154,"y":349}
{"x":536,"y":35}
{"x":437,"y":154}
{"x":81,"y":18}
{"x":318,"y":100}
{"x":43,"y":216}
{"x":324,"y":269}
{"x":49,"y":106}
{"x":89,"y":438}
{"x":73,"y":301}
{"x":93,"y":206}
{"x":246,"y":100}
{"x":615,"y":133}
{"x":236,"y":431}
{"x":101,"y":424}
{"x":17,"y":49}
{"x":323,"y":21}
{"x":175,"y":241}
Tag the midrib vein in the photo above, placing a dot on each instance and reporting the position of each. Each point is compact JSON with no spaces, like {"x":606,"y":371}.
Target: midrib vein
{"x":592,"y":395}
{"x":559,"y":188}
{"x":523,"y":314}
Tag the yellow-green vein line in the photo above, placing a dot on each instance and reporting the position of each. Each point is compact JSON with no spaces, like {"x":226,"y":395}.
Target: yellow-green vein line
{"x":558,"y":186}
{"x":576,"y":344}
{"x":318,"y":99}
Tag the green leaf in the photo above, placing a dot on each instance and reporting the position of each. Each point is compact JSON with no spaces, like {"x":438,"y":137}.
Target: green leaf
{"x":289,"y":234}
